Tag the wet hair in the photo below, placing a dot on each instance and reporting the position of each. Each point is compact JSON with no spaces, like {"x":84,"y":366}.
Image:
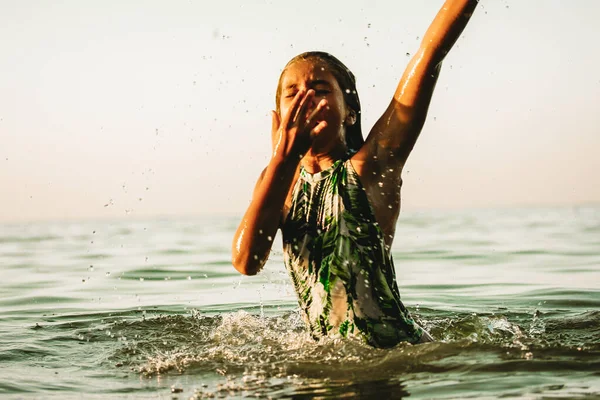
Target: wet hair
{"x":347,"y":82}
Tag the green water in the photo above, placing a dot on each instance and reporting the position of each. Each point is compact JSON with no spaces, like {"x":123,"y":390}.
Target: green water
{"x":153,"y":309}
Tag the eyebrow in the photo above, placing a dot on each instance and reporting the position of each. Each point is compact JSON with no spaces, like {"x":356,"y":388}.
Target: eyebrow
{"x":315,"y":82}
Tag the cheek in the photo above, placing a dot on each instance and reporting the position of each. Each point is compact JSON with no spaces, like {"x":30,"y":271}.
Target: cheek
{"x":333,"y":111}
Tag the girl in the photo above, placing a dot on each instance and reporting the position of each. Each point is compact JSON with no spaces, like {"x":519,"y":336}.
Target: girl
{"x":336,"y":197}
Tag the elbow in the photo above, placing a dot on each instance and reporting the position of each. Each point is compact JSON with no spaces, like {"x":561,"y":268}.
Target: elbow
{"x":246,"y":266}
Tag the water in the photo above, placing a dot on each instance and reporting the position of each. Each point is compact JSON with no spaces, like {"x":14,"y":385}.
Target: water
{"x":153,"y":309}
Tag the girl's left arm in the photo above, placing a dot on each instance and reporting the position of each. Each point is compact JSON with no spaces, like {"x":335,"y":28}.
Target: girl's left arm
{"x":395,"y":133}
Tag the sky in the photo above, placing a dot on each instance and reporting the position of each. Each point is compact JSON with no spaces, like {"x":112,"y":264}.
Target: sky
{"x":161,"y":108}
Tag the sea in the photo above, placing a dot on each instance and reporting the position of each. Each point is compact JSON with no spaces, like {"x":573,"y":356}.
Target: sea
{"x":153,"y":309}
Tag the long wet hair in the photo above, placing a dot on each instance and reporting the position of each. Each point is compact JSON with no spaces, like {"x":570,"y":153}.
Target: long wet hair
{"x":347,"y":82}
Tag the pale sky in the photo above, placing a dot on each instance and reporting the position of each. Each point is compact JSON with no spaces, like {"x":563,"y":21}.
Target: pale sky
{"x":141,"y":108}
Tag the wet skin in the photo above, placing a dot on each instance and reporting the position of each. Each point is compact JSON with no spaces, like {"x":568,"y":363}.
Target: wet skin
{"x":309,"y":130}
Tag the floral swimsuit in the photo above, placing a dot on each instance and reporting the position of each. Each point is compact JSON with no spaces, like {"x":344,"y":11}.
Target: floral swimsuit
{"x":338,"y":261}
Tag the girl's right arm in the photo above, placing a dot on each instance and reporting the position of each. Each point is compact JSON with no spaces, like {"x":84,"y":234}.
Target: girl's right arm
{"x":292,"y":138}
{"x":254,"y":236}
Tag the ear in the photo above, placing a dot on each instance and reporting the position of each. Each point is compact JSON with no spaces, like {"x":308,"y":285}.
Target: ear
{"x":350,"y":118}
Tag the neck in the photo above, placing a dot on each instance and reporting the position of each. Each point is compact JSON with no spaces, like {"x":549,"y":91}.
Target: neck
{"x":314,"y":162}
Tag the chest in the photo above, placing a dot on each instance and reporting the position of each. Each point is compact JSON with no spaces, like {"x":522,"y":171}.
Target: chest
{"x":376,"y":194}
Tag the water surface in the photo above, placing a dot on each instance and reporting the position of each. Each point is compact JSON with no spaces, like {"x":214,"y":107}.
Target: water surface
{"x":154,"y":309}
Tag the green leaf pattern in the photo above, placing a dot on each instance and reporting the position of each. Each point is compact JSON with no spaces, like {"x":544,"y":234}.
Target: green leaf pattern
{"x":340,"y":267}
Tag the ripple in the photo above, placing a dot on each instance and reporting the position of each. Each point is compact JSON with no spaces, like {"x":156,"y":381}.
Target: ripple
{"x":29,"y":239}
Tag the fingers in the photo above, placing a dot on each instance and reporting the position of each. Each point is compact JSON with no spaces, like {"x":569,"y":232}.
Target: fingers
{"x":313,"y":115}
{"x":293,"y":110}
{"x":274,"y":127}
{"x":320,"y":107}
{"x":303,"y":109}
{"x":317,"y":129}
{"x":275,"y":121}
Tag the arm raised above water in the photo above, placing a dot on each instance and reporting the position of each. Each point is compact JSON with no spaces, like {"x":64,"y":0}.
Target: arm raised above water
{"x":395,"y":133}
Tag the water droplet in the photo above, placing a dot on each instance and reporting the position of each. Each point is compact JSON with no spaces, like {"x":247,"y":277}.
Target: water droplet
{"x":348,"y":91}
{"x":189,"y":278}
{"x":389,"y":206}
{"x":407,"y":54}
{"x":380,"y":184}
{"x":269,"y":238}
{"x":107,"y":274}
{"x":141,"y":279}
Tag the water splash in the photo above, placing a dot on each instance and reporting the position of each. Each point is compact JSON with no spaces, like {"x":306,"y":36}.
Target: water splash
{"x":242,"y":354}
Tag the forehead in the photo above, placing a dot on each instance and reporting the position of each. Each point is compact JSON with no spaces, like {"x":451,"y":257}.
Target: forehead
{"x":306,"y":71}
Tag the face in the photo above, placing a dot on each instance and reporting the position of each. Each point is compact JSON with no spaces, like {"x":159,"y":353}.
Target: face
{"x":314,"y":74}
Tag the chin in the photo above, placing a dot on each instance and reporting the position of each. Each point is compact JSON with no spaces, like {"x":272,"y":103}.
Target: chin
{"x":325,"y":146}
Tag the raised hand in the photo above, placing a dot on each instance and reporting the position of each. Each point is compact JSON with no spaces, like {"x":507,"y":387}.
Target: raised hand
{"x":294,"y":133}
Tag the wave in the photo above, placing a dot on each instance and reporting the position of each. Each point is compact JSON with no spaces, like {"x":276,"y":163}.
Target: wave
{"x":244,"y":352}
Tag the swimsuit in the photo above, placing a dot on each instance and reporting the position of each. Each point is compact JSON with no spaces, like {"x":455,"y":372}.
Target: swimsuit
{"x":338,"y":261}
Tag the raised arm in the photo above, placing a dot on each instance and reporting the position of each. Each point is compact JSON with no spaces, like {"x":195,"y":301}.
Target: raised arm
{"x":395,"y":133}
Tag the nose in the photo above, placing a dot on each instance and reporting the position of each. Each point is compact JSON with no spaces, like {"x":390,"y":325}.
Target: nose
{"x":314,"y":100}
